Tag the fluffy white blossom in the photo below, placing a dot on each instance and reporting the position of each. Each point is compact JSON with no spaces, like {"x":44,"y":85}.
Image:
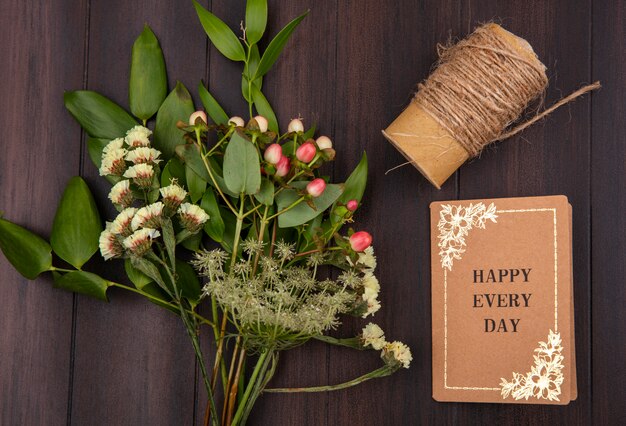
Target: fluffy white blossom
{"x":122,"y":223}
{"x":143,"y":154}
{"x":373,"y":306}
{"x":148,"y":217}
{"x":141,"y":174}
{"x":399,"y":352}
{"x":192,"y":217}
{"x":367,"y":258}
{"x":173,"y":195}
{"x":113,"y":145}
{"x":121,"y":194}
{"x":374,"y":336}
{"x":138,"y":136}
{"x":140,"y":241}
{"x":110,"y":246}
{"x":113,"y":162}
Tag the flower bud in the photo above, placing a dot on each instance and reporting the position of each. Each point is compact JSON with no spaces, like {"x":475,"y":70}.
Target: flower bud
{"x":324,"y":142}
{"x":316,"y":187}
{"x":283,"y":166}
{"x":262,"y":122}
{"x":237,"y":121}
{"x":273,"y":153}
{"x":352,"y":205}
{"x":198,"y":114}
{"x":361,"y":240}
{"x":295,"y":125}
{"x":306,"y":152}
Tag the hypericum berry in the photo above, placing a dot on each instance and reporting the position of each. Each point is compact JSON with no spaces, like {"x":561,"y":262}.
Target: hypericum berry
{"x":237,"y":121}
{"x":273,"y":153}
{"x":198,"y":114}
{"x":352,"y":205}
{"x":324,"y":142}
{"x":262,"y":122}
{"x":306,"y":152}
{"x":283,"y":167}
{"x":316,"y":187}
{"x":295,"y":125}
{"x":359,"y":241}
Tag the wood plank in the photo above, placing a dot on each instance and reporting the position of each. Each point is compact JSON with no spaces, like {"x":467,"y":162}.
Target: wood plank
{"x":43,"y":52}
{"x":383,"y":52}
{"x":133,"y":360}
{"x":550,"y":158}
{"x":608,"y":224}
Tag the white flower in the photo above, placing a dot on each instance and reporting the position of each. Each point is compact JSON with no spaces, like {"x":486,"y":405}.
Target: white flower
{"x":122,"y":223}
{"x":110,"y":247}
{"x":373,"y":335}
{"x":173,"y":195}
{"x":192,"y":217}
{"x":399,"y":352}
{"x":138,"y":136}
{"x":373,"y":306}
{"x":113,"y":145}
{"x":141,"y":174}
{"x":148,"y":216}
{"x":367,"y":258}
{"x":113,"y":162}
{"x":140,"y":241}
{"x":121,"y":193}
{"x":371,"y":286}
{"x":143,"y":154}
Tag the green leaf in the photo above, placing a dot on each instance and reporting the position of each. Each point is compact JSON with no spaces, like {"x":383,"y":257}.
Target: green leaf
{"x":302,"y":212}
{"x":148,"y":81}
{"x":84,"y":283}
{"x":265,"y":195}
{"x":256,"y":20}
{"x":213,"y":108}
{"x":149,"y":269}
{"x":222,"y":37}
{"x":187,"y":281}
{"x":29,"y":254}
{"x":192,"y":243}
{"x":230,"y":223}
{"x":178,"y":106}
{"x":276,"y":46}
{"x":138,"y":278}
{"x":190,"y":155}
{"x":94,"y":149}
{"x":77,"y":226}
{"x":214,"y":227}
{"x":242,"y":170}
{"x":99,"y":116}
{"x":169,"y":238}
{"x":174,"y":169}
{"x":195,"y":184}
{"x":264,"y":108}
{"x":356,"y":182}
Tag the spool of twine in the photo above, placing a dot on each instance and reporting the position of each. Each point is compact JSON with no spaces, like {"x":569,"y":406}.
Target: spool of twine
{"x":479,"y":89}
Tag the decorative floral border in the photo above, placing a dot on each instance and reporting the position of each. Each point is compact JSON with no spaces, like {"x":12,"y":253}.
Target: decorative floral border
{"x":455,"y":222}
{"x":545,"y":377}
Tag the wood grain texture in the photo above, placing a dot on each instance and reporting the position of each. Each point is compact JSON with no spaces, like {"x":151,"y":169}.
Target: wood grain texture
{"x":350,"y":68}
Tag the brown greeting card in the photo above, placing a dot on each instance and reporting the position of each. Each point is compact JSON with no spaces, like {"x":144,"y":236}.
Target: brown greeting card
{"x":502,"y":301}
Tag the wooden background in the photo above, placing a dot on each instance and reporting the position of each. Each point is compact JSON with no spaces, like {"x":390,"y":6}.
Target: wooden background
{"x":67,"y":359}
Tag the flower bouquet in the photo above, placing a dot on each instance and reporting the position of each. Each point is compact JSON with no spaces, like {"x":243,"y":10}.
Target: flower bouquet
{"x":217,"y":210}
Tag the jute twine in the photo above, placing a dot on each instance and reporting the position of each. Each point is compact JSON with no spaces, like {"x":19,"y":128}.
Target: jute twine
{"x":481,"y":86}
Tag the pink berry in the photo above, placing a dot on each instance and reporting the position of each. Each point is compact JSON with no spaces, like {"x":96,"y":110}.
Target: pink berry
{"x":283,"y":166}
{"x":273,"y":153}
{"x":237,"y":121}
{"x":316,"y":187}
{"x":352,"y":205}
{"x":262,"y":122}
{"x":295,"y":125}
{"x":198,"y":114}
{"x":361,"y":240}
{"x":324,"y":142}
{"x":306,"y":152}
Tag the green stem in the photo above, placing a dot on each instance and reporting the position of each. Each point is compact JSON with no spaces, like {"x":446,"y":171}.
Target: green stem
{"x":52,"y":268}
{"x":295,"y":203}
{"x":353,"y":342}
{"x":208,"y":169}
{"x":380,"y":372}
{"x":238,"y":226}
{"x":251,"y":383}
